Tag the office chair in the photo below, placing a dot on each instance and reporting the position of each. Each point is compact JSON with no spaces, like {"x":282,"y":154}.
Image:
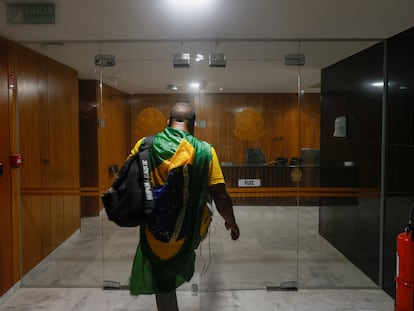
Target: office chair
{"x":255,"y":156}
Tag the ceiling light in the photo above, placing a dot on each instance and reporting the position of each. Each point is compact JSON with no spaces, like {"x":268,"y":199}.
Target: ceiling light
{"x":190,"y":2}
{"x":217,"y":60}
{"x":172,"y":87}
{"x":199,"y":57}
{"x":181,"y":60}
{"x":295,"y":59}
{"x":202,"y":85}
{"x":104,"y":60}
{"x":377,"y":84}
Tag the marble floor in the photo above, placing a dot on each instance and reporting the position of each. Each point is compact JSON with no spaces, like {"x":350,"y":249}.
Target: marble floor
{"x":85,"y":299}
{"x":280,"y":262}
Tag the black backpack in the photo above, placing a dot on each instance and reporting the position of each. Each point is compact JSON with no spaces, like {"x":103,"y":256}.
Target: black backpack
{"x":130,"y":199}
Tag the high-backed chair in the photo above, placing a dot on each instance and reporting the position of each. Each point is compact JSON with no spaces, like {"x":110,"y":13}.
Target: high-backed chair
{"x":255,"y":156}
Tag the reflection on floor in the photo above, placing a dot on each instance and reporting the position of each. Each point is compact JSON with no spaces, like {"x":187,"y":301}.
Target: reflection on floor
{"x":86,"y":299}
{"x":278,"y":245}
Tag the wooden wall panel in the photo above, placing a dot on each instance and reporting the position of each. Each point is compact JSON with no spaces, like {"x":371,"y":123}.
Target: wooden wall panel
{"x":15,"y":176}
{"x":49,"y":143}
{"x":88,"y":141}
{"x":33,"y":124}
{"x":31,"y":105}
{"x":46,"y":228}
{"x":63,"y":125}
{"x":114,"y":136}
{"x":290,"y":125}
{"x":6,"y":221}
{"x":55,"y":226}
{"x":88,"y":133}
{"x":72,"y":212}
{"x":31,"y":223}
{"x":163,"y":102}
{"x":215,"y":119}
{"x":278,"y":131}
{"x":40,"y":106}
{"x":104,"y":146}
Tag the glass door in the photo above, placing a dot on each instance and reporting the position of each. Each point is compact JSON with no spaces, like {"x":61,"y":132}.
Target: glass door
{"x":266,"y":256}
{"x":252,"y":116}
{"x":265,"y":96}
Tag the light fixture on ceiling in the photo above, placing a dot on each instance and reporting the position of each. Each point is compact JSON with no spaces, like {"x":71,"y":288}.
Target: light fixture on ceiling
{"x":195,"y":85}
{"x":378,"y":84}
{"x":202,"y":85}
{"x":217,"y":59}
{"x":190,"y":2}
{"x":104,"y":60}
{"x":295,"y":59}
{"x":199,"y":57}
{"x":181,"y":60}
{"x":172,"y":87}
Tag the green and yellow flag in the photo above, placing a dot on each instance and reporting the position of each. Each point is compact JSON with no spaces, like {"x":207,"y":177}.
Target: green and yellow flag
{"x":160,"y":265}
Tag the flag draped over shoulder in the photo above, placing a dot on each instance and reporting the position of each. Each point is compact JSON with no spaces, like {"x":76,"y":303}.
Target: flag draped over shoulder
{"x":161,"y":266}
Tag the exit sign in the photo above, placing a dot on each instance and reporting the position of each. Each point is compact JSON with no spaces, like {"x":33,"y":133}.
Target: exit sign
{"x":31,"y":13}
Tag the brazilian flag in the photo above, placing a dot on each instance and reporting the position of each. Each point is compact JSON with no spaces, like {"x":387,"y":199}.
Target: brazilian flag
{"x":162,"y":265}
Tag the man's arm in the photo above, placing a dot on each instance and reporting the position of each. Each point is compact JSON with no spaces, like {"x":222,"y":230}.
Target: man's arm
{"x":224,"y":206}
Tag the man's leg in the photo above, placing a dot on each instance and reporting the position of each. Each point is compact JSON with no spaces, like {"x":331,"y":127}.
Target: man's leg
{"x":166,"y":301}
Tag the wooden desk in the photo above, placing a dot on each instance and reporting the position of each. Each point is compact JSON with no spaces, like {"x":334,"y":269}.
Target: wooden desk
{"x":294,"y":185}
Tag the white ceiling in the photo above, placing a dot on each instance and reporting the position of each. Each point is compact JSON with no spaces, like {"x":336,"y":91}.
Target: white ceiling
{"x":254,"y":34}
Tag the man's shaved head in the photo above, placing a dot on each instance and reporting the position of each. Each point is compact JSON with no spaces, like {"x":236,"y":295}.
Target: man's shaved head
{"x":183,"y":112}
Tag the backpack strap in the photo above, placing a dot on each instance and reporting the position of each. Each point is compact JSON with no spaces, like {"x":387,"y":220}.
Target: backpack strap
{"x":186,"y":195}
{"x":146,"y":143}
{"x":144,"y":167}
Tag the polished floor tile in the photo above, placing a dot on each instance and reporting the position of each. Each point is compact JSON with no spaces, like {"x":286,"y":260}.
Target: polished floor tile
{"x":85,"y":299}
{"x":279,"y":249}
{"x":277,"y":244}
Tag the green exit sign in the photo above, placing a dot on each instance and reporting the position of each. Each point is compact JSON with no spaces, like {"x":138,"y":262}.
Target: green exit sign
{"x":31,"y":13}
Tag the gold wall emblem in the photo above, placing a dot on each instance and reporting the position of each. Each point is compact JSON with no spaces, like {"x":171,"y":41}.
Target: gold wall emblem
{"x":149,"y":121}
{"x":249,"y":125}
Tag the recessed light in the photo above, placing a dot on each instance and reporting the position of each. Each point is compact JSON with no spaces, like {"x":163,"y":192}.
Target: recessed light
{"x":172,"y":87}
{"x":199,"y":57}
{"x":181,"y":60}
{"x":378,"y":84}
{"x":217,"y":60}
{"x":190,"y":2}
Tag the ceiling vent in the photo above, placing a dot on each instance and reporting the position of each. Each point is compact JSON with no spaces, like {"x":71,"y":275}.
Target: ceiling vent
{"x":181,"y":60}
{"x":295,"y":59}
{"x":217,"y":60}
{"x":104,"y":60}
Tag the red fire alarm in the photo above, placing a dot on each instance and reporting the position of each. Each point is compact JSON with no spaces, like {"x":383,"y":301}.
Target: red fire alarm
{"x":16,"y":160}
{"x":12,"y":81}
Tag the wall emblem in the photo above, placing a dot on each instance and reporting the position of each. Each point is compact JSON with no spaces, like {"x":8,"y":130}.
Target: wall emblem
{"x":149,"y":121}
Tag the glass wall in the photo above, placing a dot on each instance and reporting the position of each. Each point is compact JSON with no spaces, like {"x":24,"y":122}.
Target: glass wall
{"x":280,"y":98}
